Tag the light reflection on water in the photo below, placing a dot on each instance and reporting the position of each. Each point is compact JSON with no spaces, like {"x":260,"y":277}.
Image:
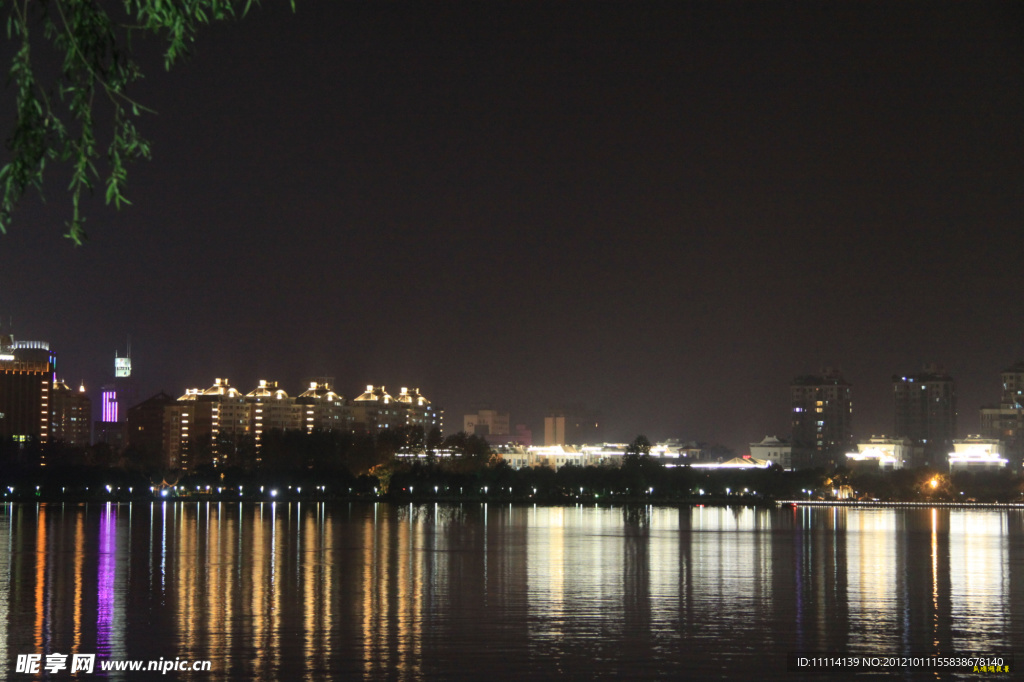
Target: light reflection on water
{"x":319,"y":591}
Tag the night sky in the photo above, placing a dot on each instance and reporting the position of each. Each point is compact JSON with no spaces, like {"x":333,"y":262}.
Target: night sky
{"x":663,"y":211}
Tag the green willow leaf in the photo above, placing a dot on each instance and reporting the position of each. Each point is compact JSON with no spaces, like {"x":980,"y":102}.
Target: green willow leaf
{"x":93,"y":44}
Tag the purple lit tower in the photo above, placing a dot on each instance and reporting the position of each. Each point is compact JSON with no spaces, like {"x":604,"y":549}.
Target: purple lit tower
{"x":115,"y":399}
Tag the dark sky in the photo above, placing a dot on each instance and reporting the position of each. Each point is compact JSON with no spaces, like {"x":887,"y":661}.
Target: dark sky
{"x":664,"y":211}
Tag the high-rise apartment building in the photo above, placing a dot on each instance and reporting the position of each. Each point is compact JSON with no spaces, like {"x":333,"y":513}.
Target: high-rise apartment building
{"x":70,"y":415}
{"x":924,"y":410}
{"x":200,"y":422}
{"x":418,"y":410}
{"x":1005,"y":421}
{"x":822,"y":418}
{"x":272,"y":409}
{"x":322,"y":408}
{"x":27,"y":374}
{"x":375,"y":410}
{"x":212,"y":426}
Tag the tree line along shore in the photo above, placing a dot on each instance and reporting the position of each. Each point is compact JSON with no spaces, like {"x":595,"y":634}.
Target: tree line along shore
{"x":332,"y":465}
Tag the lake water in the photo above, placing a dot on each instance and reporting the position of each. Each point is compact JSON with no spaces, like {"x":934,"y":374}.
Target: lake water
{"x":307,"y":591}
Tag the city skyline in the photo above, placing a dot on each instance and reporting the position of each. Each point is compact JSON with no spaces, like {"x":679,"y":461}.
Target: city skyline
{"x":799,"y":407}
{"x":664,"y":213}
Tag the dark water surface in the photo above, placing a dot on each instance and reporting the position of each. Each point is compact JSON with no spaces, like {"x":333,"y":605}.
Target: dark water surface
{"x":374,"y":591}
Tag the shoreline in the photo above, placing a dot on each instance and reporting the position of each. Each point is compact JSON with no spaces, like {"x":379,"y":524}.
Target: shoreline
{"x":882,"y":503}
{"x":543,"y":502}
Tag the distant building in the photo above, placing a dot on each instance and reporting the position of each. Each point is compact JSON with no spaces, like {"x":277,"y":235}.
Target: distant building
{"x":774,"y":450}
{"x":70,"y":415}
{"x":572,"y":426}
{"x":822,"y":417}
{"x":115,"y":398}
{"x":322,"y":408}
{"x":494,"y":426}
{"x":924,"y":410}
{"x":209,"y":426}
{"x":270,"y":409}
{"x":975,"y":453}
{"x":418,"y":410}
{"x":145,"y":427}
{"x":486,"y":423}
{"x":34,"y":404}
{"x":1005,"y":421}
{"x":692,"y":451}
{"x":522,"y":435}
{"x":881,"y":453}
{"x":27,"y":373}
{"x":375,"y":410}
{"x":198,"y":423}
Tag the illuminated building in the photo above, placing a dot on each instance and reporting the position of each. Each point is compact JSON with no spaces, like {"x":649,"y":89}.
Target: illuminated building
{"x":924,"y":408}
{"x":774,"y":450}
{"x":976,"y":453}
{"x":204,"y":426}
{"x":1005,"y":421}
{"x":418,"y":410}
{"x":35,"y":352}
{"x":26,"y":379}
{"x":70,"y":415}
{"x":322,"y":408}
{"x":115,"y":397}
{"x":571,"y":426}
{"x":822,"y":418}
{"x":33,"y":403}
{"x":375,"y":410}
{"x":880,"y":453}
{"x":272,"y":409}
{"x":670,"y":454}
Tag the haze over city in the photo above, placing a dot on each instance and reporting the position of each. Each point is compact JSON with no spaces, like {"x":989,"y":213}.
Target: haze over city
{"x":664,"y":212}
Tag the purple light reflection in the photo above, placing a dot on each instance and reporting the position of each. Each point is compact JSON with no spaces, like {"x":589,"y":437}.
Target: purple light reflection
{"x":105,"y":578}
